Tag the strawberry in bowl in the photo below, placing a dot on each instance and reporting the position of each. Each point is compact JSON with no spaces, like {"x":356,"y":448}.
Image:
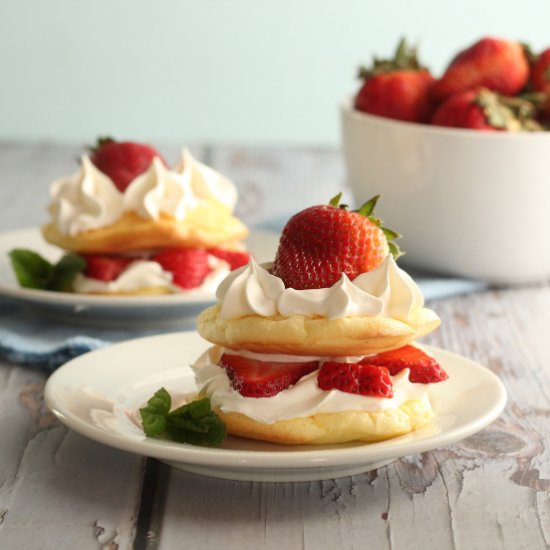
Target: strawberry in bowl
{"x":397,"y":88}
{"x":130,"y":224}
{"x":319,"y":346}
{"x":451,"y":180}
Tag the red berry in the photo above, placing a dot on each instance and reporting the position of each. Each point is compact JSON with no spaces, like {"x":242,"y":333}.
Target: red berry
{"x":401,"y":95}
{"x":321,"y":243}
{"x":462,"y":110}
{"x":500,"y":65}
{"x":105,"y":268}
{"x":482,"y":109}
{"x":189,"y":266}
{"x":235,"y":258}
{"x":540,"y":82}
{"x":123,"y":161}
{"x":253,"y":378}
{"x":359,"y":378}
{"x":396,"y":88}
{"x":540,"y":72}
{"x":424,"y":369}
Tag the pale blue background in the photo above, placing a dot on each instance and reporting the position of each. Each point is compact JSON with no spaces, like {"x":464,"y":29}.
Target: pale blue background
{"x":224,"y":72}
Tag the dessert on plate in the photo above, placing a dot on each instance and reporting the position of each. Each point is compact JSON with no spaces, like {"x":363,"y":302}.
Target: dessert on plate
{"x":318,"y":347}
{"x":142,"y":227}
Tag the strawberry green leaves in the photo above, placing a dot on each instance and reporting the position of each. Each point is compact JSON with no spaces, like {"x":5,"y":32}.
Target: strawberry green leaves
{"x":367,"y":210}
{"x":33,"y":271}
{"x":193,"y":423}
{"x":405,"y":58}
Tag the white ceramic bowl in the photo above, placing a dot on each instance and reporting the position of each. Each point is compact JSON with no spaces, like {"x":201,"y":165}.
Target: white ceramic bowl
{"x":468,"y":203}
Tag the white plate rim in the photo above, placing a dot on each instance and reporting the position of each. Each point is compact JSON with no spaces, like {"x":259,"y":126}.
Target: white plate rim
{"x":322,"y":456}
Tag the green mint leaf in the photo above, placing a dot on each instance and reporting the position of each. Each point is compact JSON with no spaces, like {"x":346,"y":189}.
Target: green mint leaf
{"x":193,"y":423}
{"x":65,"y":270}
{"x":207,"y":432}
{"x":153,"y":416}
{"x":31,"y":270}
{"x":193,"y":410}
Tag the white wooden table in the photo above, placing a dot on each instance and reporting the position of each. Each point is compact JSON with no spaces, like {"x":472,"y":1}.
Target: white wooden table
{"x":490,"y":491}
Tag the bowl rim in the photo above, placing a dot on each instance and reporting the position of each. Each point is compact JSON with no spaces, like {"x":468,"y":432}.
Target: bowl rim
{"x":347,"y":109}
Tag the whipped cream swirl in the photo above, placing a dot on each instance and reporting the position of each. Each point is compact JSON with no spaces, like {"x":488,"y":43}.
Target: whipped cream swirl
{"x":86,"y":200}
{"x":386,"y":291}
{"x":206,"y":183}
{"x":249,"y":290}
{"x":157,"y":191}
{"x":90,"y":200}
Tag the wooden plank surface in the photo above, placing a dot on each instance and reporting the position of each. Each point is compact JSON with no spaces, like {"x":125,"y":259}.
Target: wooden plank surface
{"x":58,"y":489}
{"x":492,"y":490}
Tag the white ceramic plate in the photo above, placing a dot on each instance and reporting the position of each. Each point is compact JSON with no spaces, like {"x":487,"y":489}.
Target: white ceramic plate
{"x":99,"y":395}
{"x":109,"y":310}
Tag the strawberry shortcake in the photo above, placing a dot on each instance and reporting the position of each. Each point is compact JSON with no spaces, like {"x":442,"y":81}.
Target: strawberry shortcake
{"x":142,"y":227}
{"x":318,"y":347}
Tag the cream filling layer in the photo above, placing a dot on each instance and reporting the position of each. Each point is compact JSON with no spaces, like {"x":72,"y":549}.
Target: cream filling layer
{"x":303,"y":399}
{"x":143,"y":274}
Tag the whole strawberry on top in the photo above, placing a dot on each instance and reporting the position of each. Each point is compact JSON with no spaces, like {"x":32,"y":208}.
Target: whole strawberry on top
{"x":322,"y":242}
{"x":398,"y":88}
{"x":497,"y":64}
{"x":123,"y":161}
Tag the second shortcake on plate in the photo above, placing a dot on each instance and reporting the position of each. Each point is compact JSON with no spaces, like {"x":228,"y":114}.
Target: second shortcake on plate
{"x":318,"y":347}
{"x":145,"y":228}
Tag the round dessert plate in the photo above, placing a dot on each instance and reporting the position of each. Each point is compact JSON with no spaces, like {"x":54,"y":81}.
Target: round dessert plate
{"x":109,"y":310}
{"x":99,"y":395}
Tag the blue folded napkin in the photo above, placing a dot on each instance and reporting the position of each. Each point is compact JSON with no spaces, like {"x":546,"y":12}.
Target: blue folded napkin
{"x":28,"y":339}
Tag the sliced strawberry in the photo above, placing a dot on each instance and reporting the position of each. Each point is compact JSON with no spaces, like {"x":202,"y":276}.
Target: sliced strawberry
{"x":235,"y":258}
{"x":424,"y":369}
{"x":105,"y":268}
{"x":123,"y":161}
{"x":359,"y":378}
{"x":253,"y":378}
{"x":189,"y":266}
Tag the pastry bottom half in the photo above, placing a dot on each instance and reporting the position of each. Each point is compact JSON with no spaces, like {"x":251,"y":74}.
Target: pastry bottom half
{"x":337,"y":427}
